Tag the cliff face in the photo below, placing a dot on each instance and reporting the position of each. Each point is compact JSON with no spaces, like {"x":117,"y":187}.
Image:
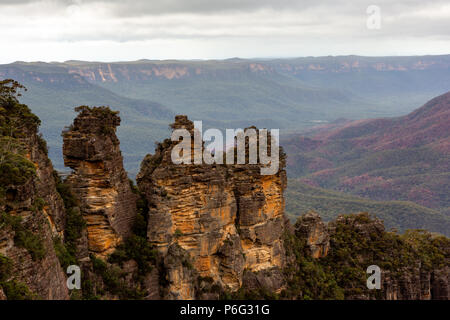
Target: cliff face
{"x":148,"y":70}
{"x":411,"y":267}
{"x":42,"y":274}
{"x":31,"y":210}
{"x":226,"y":217}
{"x":99,"y":181}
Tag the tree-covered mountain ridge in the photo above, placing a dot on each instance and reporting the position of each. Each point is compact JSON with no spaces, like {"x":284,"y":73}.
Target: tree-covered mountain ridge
{"x":405,"y":158}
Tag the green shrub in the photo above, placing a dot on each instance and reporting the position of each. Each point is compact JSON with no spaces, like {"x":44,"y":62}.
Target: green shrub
{"x":23,"y":237}
{"x":110,"y":119}
{"x":136,"y":246}
{"x":5,"y":268}
{"x":74,"y":224}
{"x":15,"y":290}
{"x":16,"y":119}
{"x":42,"y":144}
{"x":138,"y":249}
{"x":308,"y":278}
{"x":113,"y":280}
{"x":65,"y":257}
{"x":74,"y":228}
{"x":102,"y":112}
{"x":15,"y":170}
{"x":432,"y":250}
{"x":65,"y":192}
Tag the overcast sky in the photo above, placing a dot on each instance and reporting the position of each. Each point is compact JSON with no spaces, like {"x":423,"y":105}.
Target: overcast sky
{"x":119,"y":30}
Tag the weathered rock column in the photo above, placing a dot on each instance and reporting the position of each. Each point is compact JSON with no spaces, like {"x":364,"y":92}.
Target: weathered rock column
{"x":108,"y":205}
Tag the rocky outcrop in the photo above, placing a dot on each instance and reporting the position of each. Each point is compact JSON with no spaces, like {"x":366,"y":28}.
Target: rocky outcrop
{"x":416,"y":283}
{"x":311,"y":228}
{"x":410,"y":267}
{"x":180,"y":274}
{"x":266,"y":279}
{"x":440,"y":283}
{"x":228,"y":218}
{"x":99,"y":181}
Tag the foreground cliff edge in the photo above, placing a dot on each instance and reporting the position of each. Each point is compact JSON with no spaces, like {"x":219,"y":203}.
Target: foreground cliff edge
{"x":185,"y":231}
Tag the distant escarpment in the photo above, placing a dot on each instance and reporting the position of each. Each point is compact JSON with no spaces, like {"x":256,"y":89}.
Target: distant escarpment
{"x":99,"y":181}
{"x":225,"y":219}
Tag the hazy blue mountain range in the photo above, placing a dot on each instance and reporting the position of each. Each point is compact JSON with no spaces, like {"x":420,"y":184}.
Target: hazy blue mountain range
{"x":290,"y":94}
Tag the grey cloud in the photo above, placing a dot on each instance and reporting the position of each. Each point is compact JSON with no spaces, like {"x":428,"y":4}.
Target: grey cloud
{"x":338,"y":11}
{"x":332,"y":7}
{"x":138,"y":7}
{"x":332,"y":22}
{"x":153,"y":7}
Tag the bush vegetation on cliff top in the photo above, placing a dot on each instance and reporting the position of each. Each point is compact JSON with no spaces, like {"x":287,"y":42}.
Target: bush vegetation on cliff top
{"x":16,"y":123}
{"x":109,"y":118}
{"x":354,"y":245}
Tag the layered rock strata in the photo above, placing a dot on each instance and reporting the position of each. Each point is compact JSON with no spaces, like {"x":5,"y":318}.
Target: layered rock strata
{"x":33,"y":215}
{"x":408,"y":272}
{"x":228,"y":218}
{"x":108,"y":205}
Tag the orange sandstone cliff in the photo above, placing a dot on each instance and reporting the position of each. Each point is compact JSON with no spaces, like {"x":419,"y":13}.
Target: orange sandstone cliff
{"x":91,"y":149}
{"x":225,"y":218}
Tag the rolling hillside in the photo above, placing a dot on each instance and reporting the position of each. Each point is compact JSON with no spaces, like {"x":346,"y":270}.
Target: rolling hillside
{"x":404,"y":159}
{"x":400,"y":215}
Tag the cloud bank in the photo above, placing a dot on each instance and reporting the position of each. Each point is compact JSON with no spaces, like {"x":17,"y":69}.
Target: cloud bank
{"x":114,"y":30}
